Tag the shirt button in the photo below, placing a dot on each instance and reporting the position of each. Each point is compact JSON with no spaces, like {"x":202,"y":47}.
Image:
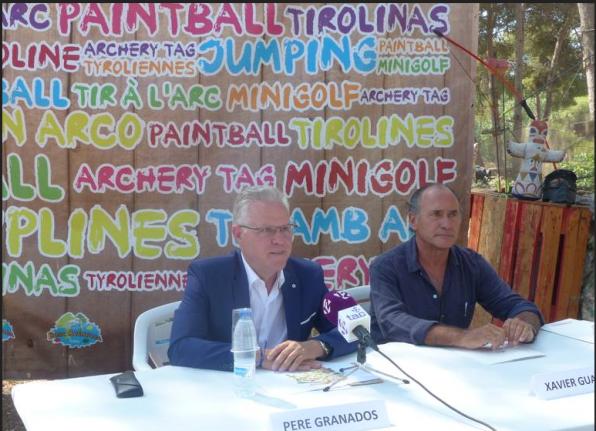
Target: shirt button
{"x":435,"y":296}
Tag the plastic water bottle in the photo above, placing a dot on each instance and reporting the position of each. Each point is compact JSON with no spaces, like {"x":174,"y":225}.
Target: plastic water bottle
{"x":244,"y":347}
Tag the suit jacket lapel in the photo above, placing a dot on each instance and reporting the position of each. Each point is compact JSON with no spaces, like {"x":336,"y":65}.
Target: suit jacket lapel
{"x":241,"y":298}
{"x":292,"y":303}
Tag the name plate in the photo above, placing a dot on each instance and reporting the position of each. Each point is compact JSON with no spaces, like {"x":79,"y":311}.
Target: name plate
{"x":343,"y":417}
{"x":563,"y":384}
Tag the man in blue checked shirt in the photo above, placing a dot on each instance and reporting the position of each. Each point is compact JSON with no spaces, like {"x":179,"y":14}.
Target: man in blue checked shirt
{"x":424,"y":291}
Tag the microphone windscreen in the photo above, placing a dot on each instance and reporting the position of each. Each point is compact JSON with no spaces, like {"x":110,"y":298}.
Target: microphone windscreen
{"x":334,"y":302}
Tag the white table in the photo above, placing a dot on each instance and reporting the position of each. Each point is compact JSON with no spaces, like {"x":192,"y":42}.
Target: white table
{"x":178,"y":398}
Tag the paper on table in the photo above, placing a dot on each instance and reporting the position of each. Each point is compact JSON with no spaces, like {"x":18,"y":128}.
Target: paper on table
{"x":582,"y":330}
{"x":318,"y":376}
{"x":338,"y":374}
{"x":507,"y":354}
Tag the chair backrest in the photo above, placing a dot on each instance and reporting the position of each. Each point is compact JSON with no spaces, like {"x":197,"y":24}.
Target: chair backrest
{"x":152,"y":337}
{"x":362,"y":295}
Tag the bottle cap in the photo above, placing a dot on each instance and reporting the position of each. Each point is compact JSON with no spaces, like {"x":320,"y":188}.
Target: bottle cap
{"x":245,"y":313}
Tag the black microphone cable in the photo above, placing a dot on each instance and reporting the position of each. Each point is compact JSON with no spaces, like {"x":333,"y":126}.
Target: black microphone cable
{"x":433,"y":395}
{"x":366,"y":339}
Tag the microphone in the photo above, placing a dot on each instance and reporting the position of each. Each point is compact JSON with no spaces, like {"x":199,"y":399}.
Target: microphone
{"x":352,"y":321}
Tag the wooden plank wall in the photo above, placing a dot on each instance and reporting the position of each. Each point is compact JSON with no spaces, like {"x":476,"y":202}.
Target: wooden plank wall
{"x":489,"y":233}
{"x":126,"y":234}
{"x":537,"y":247}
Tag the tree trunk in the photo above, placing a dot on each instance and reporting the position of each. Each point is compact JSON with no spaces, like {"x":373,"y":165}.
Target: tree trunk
{"x":561,"y":38}
{"x":586,"y":17}
{"x":519,"y":67}
{"x":494,"y":97}
{"x":520,"y":10}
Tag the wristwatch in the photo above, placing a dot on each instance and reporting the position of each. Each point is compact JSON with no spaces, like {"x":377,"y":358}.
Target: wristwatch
{"x":326,"y":349}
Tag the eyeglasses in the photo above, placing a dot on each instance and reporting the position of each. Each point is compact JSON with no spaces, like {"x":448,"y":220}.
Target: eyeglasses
{"x":286,"y":230}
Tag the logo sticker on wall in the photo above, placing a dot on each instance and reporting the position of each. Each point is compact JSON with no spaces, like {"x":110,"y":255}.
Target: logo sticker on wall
{"x":7,"y":333}
{"x":75,"y":330}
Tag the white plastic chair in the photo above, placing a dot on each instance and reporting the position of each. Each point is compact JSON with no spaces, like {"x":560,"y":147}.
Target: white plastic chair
{"x":362,"y":295}
{"x":152,"y":337}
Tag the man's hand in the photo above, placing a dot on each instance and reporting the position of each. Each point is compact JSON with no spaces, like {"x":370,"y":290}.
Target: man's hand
{"x":293,"y":356}
{"x":480,"y":337}
{"x":443,"y":335}
{"x":519,"y":330}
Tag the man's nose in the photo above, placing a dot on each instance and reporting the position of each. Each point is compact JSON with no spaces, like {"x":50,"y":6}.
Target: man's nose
{"x":446,"y":222}
{"x":279,"y":237}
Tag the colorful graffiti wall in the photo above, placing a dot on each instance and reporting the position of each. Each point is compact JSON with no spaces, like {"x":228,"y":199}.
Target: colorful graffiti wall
{"x":128,"y":128}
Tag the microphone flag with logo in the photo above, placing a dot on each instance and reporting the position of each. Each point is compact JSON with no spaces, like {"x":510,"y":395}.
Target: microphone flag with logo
{"x":335,"y":301}
{"x":352,"y":321}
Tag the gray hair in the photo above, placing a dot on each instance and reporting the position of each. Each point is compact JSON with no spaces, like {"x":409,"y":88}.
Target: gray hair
{"x":414,"y":203}
{"x":264,"y":193}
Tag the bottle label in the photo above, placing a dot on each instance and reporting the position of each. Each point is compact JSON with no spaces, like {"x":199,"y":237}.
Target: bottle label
{"x":241,"y":371}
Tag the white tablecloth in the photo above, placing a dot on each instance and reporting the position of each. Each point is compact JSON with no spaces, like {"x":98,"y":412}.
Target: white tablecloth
{"x":178,"y":398}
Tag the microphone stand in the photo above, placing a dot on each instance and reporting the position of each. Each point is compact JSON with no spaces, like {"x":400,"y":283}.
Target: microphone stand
{"x":364,"y":341}
{"x":361,"y":352}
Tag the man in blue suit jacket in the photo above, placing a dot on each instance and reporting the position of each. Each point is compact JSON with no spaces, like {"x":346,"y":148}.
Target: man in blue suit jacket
{"x":285,"y":294}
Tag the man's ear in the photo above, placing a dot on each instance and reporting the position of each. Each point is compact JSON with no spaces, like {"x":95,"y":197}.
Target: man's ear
{"x":412,"y":221}
{"x":236,"y":232}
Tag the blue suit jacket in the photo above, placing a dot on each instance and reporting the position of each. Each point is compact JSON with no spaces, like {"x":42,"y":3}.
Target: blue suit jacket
{"x":202,"y":328}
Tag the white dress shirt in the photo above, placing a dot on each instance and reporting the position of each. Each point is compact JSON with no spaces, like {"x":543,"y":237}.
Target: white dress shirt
{"x":267,"y":308}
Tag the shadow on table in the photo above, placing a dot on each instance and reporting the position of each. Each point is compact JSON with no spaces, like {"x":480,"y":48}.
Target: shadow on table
{"x":273,"y":401}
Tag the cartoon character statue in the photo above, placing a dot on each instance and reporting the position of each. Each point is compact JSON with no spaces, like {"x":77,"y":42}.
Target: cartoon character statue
{"x":528,"y":184}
